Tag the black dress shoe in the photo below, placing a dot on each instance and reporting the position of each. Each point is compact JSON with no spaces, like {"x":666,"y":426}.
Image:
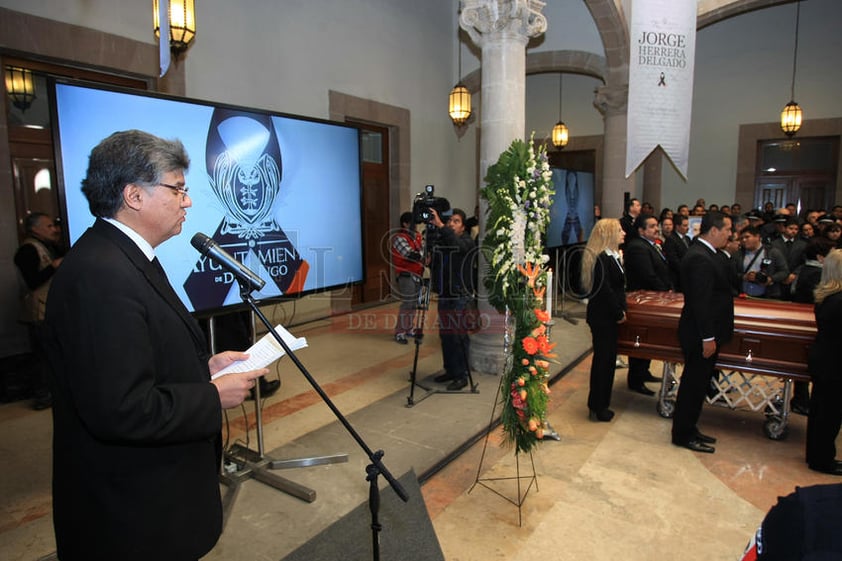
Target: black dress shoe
{"x":642,"y":389}
{"x":457,"y":385}
{"x":443,"y":378}
{"x":603,"y":416}
{"x":650,"y":378}
{"x":800,"y":408}
{"x":834,"y":468}
{"x":696,"y":445}
{"x":268,"y":387}
{"x":701,"y":437}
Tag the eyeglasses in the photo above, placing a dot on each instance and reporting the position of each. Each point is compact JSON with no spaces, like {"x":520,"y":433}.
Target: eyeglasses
{"x":180,"y":190}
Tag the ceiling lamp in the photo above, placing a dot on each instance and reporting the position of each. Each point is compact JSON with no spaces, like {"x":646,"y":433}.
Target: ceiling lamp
{"x":791,"y":114}
{"x":459,"y":104}
{"x":459,"y":107}
{"x":20,"y":87}
{"x":560,"y":133}
{"x":182,"y":24}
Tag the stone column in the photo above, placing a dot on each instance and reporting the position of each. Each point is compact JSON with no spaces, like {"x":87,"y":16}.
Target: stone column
{"x":501,"y":28}
{"x":612,"y":102}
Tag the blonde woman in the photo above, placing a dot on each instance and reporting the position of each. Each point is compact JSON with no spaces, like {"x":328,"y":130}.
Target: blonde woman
{"x":604,"y":281}
{"x":825,"y":416}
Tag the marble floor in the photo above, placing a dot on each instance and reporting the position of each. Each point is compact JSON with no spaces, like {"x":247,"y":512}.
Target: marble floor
{"x":604,"y":490}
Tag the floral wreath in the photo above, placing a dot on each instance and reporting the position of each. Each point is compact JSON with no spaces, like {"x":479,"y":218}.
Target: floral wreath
{"x":518,"y":191}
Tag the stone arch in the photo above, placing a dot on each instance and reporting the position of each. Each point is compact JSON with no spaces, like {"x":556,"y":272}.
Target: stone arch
{"x":572,"y":62}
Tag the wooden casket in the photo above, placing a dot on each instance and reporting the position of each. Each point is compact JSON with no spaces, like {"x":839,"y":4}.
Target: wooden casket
{"x":771,"y":339}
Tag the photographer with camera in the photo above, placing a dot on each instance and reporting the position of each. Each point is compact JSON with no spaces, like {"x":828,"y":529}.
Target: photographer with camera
{"x":452,"y":278}
{"x":761,"y":267}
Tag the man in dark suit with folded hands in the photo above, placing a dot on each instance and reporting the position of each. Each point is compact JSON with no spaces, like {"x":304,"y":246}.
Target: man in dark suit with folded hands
{"x":707,"y":322}
{"x":136,"y":417}
{"x":646,"y":269}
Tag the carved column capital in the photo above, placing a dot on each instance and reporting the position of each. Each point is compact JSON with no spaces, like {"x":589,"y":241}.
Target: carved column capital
{"x":521,"y":18}
{"x":611,"y":100}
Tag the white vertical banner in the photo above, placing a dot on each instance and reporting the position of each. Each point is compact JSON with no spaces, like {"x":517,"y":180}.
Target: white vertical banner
{"x":661,"y":55}
{"x":164,"y":37}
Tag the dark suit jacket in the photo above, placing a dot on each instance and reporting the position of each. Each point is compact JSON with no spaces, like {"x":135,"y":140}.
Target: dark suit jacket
{"x":674,"y":249}
{"x":708,"y":301}
{"x":824,"y":353}
{"x":136,"y":443}
{"x":646,"y":268}
{"x":607,"y":299}
{"x":793,"y":252}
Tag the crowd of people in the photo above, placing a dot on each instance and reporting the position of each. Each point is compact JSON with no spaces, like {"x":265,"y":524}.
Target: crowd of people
{"x":711,"y":254}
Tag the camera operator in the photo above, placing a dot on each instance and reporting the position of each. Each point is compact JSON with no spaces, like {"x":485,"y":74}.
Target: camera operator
{"x":452,"y":278}
{"x":761,"y":267}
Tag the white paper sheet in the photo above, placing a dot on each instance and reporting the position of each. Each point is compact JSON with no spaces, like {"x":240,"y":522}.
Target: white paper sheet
{"x":263,"y":353}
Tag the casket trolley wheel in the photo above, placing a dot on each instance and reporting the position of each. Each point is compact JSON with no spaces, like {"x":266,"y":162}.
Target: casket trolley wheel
{"x":665,"y":408}
{"x":775,"y":427}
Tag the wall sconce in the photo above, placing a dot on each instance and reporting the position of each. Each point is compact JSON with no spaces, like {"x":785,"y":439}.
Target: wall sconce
{"x":560,"y":132}
{"x":791,"y":114}
{"x":20,"y":86}
{"x":182,"y":24}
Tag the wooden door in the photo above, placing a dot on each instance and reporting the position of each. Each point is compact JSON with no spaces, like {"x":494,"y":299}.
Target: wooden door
{"x":375,"y":155}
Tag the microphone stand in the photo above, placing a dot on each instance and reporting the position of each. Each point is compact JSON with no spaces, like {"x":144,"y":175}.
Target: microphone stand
{"x":376,"y":467}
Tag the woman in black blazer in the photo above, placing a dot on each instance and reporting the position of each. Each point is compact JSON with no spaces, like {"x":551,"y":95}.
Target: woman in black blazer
{"x":825,"y":416}
{"x":604,"y":281}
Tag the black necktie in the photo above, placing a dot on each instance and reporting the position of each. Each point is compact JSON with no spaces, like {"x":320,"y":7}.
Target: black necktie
{"x":158,"y":267}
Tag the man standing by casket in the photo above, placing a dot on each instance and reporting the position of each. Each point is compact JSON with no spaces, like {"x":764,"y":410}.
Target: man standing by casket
{"x":707,"y":322}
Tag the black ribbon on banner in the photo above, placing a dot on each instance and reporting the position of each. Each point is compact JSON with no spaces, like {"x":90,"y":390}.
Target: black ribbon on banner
{"x":243,"y":160}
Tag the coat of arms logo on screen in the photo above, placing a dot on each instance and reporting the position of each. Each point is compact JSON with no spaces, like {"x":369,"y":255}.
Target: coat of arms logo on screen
{"x":243,"y":161}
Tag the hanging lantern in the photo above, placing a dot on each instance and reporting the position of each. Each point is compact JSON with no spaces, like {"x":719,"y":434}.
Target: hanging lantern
{"x":791,"y":114}
{"x":560,"y":135}
{"x":459,"y":107}
{"x":20,"y":87}
{"x":791,"y":118}
{"x":182,"y":24}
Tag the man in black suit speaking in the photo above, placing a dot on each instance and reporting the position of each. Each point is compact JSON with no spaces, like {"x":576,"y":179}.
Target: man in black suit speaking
{"x":707,"y":322}
{"x":136,"y":417}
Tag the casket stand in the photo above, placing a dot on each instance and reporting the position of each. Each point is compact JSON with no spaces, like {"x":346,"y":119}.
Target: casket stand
{"x":757,"y":367}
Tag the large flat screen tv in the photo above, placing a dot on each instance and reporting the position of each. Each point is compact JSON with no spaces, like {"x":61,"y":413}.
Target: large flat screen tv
{"x":281,"y":193}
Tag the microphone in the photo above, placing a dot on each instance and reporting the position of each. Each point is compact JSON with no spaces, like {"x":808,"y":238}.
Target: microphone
{"x":209,"y":248}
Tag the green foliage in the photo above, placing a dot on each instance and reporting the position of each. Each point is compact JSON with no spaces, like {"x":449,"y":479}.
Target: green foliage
{"x":518,"y":191}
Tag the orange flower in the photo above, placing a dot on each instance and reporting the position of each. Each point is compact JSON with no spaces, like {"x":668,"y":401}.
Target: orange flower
{"x":531,"y":272}
{"x":542,"y":363}
{"x":524,"y":361}
{"x":542,"y":315}
{"x":539,"y":292}
{"x":544,"y":345}
{"x":530,"y":345}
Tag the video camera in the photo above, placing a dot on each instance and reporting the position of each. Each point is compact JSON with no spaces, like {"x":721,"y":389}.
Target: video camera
{"x":427,"y":200}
